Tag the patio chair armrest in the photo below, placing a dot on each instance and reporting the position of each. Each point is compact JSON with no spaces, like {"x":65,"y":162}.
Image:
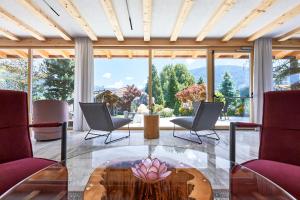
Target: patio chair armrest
{"x":63,"y":136}
{"x":233,"y":126}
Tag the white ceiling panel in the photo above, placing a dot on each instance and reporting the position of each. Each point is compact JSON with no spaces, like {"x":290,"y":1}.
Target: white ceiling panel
{"x":279,"y":8}
{"x":164,"y":16}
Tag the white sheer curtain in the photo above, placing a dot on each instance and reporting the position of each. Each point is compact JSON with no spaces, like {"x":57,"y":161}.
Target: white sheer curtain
{"x":84,"y":80}
{"x":262,"y":74}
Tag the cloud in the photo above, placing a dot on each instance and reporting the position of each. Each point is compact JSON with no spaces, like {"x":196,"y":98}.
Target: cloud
{"x":117,"y":84}
{"x":107,"y":75}
{"x":128,"y":78}
{"x":190,"y":61}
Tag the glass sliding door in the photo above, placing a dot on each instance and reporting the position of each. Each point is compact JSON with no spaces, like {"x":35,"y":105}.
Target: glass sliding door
{"x":286,"y":70}
{"x":232,"y":86}
{"x":120,"y":80}
{"x":179,"y":79}
{"x":13,"y":69}
{"x":53,"y":76}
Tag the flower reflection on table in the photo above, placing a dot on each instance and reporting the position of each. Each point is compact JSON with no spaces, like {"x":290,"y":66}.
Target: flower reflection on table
{"x":151,"y":170}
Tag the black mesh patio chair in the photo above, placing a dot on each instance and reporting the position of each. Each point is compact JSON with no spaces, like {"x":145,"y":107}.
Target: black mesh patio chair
{"x":98,"y":118}
{"x":205,"y":118}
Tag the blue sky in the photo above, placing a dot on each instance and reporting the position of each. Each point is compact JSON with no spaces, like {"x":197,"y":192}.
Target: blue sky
{"x":119,"y":72}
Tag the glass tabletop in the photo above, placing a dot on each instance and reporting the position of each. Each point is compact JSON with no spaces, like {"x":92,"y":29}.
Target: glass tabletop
{"x":115,"y":173}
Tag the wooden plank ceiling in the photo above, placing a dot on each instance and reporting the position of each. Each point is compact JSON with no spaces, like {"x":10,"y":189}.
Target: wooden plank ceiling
{"x":275,"y":13}
{"x":125,"y":53}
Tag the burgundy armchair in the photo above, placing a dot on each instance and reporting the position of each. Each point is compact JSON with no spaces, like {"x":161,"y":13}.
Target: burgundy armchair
{"x":16,"y":158}
{"x":279,"y":151}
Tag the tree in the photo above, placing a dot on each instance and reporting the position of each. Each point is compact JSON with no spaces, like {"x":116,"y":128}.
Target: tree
{"x":184,"y":77}
{"x":13,"y":74}
{"x":59,"y":79}
{"x":109,"y":98}
{"x":173,"y":88}
{"x":129,"y":95}
{"x":157,"y":91}
{"x":286,"y":68}
{"x":227,"y":89}
{"x":164,"y":79}
{"x":200,"y":80}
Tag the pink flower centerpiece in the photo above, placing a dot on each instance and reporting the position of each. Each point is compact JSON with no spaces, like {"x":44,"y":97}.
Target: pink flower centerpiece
{"x":151,"y":170}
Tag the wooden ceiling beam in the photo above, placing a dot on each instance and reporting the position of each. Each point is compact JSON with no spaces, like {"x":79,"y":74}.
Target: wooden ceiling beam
{"x":147,"y":19}
{"x":29,"y":4}
{"x":224,"y":7}
{"x":184,"y":12}
{"x":21,"y":24}
{"x":289,"y":35}
{"x":20,"y":53}
{"x":139,"y":43}
{"x":8,"y":34}
{"x":43,"y":53}
{"x":173,"y":55}
{"x":112,"y":18}
{"x":260,"y":9}
{"x":282,"y":54}
{"x":73,"y":11}
{"x":130,"y":54}
{"x":276,"y":23}
{"x":65,"y":53}
{"x":108,"y":54}
{"x":3,"y":54}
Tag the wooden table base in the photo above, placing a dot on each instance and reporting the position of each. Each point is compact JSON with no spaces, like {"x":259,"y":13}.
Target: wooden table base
{"x":119,"y":183}
{"x":151,"y":126}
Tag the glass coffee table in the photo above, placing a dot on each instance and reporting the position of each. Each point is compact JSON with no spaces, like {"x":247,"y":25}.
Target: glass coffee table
{"x":173,"y":173}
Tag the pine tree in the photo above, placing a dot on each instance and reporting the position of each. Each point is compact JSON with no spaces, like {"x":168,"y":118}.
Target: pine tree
{"x":227,"y":89}
{"x":59,"y":79}
{"x":164,"y":79}
{"x":157,"y":91}
{"x":184,"y":77}
{"x":200,"y":80}
{"x":173,"y":88}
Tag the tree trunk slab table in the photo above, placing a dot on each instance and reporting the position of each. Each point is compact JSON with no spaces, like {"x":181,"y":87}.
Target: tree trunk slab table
{"x":117,"y":182}
{"x":151,"y":126}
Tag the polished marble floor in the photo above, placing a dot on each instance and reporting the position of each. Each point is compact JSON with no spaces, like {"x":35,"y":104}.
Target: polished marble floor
{"x":247,"y":144}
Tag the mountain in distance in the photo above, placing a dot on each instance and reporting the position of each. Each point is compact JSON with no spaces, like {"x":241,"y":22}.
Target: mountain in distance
{"x":240,"y":75}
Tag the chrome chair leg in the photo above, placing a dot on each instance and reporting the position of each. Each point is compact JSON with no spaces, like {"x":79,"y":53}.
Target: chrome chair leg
{"x":118,"y":139}
{"x":187,"y":139}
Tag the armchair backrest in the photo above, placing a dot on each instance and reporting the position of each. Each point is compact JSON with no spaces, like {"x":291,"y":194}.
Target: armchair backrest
{"x":207,"y":115}
{"x":280,"y":134}
{"x":97,"y":116}
{"x":14,"y":132}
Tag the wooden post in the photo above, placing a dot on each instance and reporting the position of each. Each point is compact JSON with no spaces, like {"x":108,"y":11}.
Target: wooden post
{"x":150,"y":78}
{"x":29,"y":82}
{"x":210,"y":75}
{"x":251,"y":83}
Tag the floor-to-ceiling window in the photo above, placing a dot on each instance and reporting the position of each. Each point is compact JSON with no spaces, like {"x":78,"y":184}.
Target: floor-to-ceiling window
{"x":232,"y":86}
{"x":286,"y":70}
{"x":178,"y":79}
{"x":120,"y":80}
{"x":53,"y":76}
{"x":13,"y":69}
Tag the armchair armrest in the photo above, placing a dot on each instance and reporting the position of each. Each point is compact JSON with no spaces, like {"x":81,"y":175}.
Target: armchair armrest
{"x":63,"y":136}
{"x":45,"y":125}
{"x":233,"y":126}
{"x":246,"y":125}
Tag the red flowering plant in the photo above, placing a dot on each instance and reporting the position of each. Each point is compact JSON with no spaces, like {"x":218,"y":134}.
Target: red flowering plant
{"x":193,"y":93}
{"x":196,"y":92}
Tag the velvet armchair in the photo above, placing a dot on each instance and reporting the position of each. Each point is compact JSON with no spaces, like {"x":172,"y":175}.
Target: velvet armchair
{"x":279,"y":150}
{"x":16,"y":156}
